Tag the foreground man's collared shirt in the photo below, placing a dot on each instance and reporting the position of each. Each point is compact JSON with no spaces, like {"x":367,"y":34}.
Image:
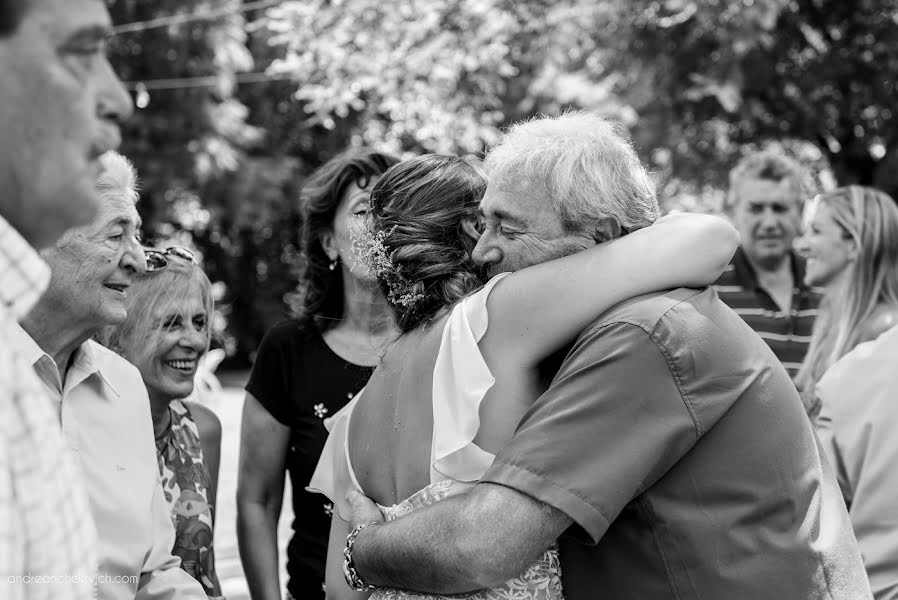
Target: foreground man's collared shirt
{"x":107,"y":426}
{"x":675,"y":440}
{"x":47,"y":537}
{"x":857,"y":425}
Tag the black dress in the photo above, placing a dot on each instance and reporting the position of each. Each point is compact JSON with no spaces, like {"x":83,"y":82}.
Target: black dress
{"x":300,"y":381}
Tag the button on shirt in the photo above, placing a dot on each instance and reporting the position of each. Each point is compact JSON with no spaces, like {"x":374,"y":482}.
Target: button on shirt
{"x":47,"y":536}
{"x":677,"y":443}
{"x":107,"y":426}
{"x":787,"y":333}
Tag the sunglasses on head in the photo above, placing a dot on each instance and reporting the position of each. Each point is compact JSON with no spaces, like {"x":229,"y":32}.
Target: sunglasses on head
{"x":158,"y":259}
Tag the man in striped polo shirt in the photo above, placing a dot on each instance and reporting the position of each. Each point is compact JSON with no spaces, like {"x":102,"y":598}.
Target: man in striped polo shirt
{"x":764,"y":282}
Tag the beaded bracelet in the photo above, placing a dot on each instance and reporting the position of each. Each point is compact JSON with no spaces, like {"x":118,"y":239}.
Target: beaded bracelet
{"x":349,"y":573}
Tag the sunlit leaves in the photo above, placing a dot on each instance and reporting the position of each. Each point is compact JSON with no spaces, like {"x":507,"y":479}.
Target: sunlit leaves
{"x":427,"y":73}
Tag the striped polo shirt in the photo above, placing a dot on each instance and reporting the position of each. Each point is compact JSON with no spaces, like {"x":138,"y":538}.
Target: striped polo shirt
{"x":787,"y":334}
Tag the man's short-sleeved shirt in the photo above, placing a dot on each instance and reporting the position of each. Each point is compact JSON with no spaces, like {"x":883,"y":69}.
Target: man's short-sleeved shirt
{"x":677,"y":443}
{"x":787,"y":333}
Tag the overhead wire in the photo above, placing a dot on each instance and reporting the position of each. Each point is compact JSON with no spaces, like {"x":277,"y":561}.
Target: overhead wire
{"x":173,"y":83}
{"x":176,"y":83}
{"x":205,"y":15}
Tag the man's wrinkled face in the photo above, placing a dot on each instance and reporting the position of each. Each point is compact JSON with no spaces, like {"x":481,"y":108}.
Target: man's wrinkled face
{"x":60,"y":104}
{"x":519,"y":228}
{"x":768,"y":216}
{"x":93,"y":267}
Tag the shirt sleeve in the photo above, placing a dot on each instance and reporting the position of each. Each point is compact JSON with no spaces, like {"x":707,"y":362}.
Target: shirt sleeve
{"x":612,"y":423}
{"x":268,"y":380}
{"x":162,"y":577}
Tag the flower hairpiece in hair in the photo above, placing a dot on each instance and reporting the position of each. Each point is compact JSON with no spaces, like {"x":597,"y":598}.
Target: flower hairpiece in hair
{"x":369,"y":252}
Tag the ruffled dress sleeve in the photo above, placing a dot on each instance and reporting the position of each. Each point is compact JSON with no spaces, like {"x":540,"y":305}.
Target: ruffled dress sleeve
{"x":333,"y":475}
{"x":461,"y":378}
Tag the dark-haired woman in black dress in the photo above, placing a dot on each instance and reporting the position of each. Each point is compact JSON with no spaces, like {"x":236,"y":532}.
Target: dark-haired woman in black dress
{"x":307,"y":368}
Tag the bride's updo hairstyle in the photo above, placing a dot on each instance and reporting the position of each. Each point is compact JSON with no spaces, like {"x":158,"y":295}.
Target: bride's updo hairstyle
{"x":418,"y":208}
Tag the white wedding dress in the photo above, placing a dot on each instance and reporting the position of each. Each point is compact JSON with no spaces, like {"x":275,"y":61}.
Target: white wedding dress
{"x":461,"y":378}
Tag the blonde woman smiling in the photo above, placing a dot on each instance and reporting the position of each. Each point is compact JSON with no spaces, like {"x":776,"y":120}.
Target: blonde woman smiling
{"x":851,"y":247}
{"x":164,"y":336}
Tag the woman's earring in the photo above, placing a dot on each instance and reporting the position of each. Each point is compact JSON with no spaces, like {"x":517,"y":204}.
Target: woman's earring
{"x":333,"y":264}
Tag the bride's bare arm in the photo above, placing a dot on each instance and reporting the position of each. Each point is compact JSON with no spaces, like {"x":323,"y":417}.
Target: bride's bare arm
{"x":535,"y":311}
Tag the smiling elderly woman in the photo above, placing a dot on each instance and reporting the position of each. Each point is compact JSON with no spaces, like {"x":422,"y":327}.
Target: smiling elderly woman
{"x":165,"y":334}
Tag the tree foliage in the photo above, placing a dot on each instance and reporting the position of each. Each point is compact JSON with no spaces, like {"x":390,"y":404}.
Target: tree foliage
{"x":432,"y":75}
{"x":190,"y":139}
{"x":726,"y":75}
{"x":697,"y":81}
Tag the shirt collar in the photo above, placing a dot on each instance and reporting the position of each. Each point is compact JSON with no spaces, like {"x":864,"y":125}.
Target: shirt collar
{"x":23,"y":273}
{"x":749,"y":278}
{"x":89,"y":360}
{"x":85,"y":362}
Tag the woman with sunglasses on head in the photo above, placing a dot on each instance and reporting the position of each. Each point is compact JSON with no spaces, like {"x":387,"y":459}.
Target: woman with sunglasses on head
{"x":307,"y":368}
{"x":165,"y":334}
{"x":851,"y":248}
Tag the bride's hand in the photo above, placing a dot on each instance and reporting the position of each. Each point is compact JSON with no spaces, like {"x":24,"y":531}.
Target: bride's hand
{"x":362,"y":510}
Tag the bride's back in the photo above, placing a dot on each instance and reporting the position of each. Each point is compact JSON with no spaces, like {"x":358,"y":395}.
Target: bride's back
{"x":391,"y":427}
{"x":419,"y":248}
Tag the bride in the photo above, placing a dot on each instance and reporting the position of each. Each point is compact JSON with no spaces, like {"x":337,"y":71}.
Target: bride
{"x":452,"y":388}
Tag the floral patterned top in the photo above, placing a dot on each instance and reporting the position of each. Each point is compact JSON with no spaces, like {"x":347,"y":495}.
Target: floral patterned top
{"x":185,"y":485}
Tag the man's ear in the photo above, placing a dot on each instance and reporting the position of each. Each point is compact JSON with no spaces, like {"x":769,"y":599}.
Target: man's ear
{"x":471,"y":228}
{"x":606,"y":229}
